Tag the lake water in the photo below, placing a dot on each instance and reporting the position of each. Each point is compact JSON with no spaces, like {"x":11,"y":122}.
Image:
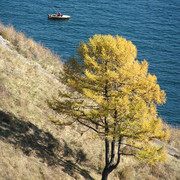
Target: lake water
{"x":153,"y":26}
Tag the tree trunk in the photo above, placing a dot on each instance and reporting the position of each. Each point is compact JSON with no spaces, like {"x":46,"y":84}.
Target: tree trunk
{"x":110,"y":166}
{"x":105,"y":173}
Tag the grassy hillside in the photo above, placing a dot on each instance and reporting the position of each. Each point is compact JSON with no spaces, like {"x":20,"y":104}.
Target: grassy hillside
{"x":32,"y":147}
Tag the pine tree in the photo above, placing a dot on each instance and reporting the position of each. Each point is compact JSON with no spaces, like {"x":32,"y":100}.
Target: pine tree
{"x":114,"y":95}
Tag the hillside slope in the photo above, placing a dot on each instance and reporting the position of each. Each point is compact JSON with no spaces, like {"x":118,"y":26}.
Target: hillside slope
{"x":32,"y":147}
{"x":28,"y":139}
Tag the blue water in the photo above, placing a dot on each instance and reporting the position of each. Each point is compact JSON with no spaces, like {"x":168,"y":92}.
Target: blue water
{"x":153,"y":26}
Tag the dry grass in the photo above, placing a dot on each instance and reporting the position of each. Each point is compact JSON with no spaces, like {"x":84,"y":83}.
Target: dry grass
{"x":24,"y":90}
{"x":32,"y":147}
{"x":18,"y":166}
{"x":29,"y":49}
{"x":175,"y":137}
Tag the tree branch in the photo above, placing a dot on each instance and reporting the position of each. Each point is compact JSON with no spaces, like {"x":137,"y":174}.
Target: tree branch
{"x":127,"y":154}
{"x":89,"y":127}
{"x":119,"y":150}
{"x":131,"y":146}
{"x":107,"y":151}
{"x":112,"y":152}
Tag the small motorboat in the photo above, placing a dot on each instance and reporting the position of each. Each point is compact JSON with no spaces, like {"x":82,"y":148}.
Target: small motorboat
{"x":55,"y":16}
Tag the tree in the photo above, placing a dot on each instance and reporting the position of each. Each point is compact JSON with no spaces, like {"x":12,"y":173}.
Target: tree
{"x":114,"y":95}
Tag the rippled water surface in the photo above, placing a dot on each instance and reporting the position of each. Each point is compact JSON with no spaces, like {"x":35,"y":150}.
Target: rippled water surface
{"x":153,"y":26}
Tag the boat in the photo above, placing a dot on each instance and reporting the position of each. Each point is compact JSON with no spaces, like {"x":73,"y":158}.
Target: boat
{"x":55,"y":16}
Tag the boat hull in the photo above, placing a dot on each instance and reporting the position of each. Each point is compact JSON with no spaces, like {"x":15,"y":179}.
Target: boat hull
{"x":55,"y":16}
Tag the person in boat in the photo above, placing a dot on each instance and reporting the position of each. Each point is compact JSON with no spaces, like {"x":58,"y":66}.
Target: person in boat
{"x":59,"y":14}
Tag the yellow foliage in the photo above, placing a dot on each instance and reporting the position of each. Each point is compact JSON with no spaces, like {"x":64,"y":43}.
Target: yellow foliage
{"x":122,"y":94}
{"x":152,"y":154}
